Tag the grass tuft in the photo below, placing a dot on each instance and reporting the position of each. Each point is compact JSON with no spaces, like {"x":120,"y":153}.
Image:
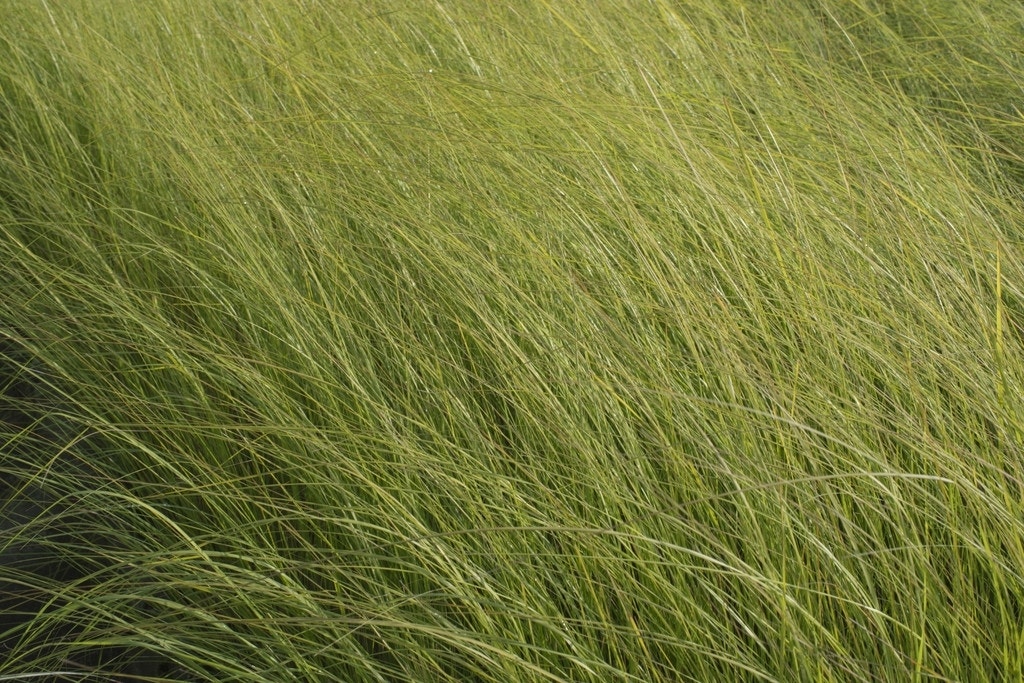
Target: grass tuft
{"x":407,"y":341}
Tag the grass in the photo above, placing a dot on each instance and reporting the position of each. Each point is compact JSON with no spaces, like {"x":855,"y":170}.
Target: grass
{"x":411,"y":341}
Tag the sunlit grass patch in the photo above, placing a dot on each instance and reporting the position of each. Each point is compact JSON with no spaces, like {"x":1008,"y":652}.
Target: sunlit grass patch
{"x":481,"y":342}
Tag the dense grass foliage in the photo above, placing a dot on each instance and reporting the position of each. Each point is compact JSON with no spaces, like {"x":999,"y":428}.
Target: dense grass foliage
{"x":526,"y":341}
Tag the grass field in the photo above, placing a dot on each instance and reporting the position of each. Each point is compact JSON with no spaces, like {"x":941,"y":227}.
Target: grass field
{"x":548,"y":340}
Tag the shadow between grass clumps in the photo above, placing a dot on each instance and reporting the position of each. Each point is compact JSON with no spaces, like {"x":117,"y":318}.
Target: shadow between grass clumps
{"x":42,"y":563}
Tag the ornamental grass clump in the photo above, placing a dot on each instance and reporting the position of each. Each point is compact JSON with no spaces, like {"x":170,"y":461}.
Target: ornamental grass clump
{"x":534,"y":342}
